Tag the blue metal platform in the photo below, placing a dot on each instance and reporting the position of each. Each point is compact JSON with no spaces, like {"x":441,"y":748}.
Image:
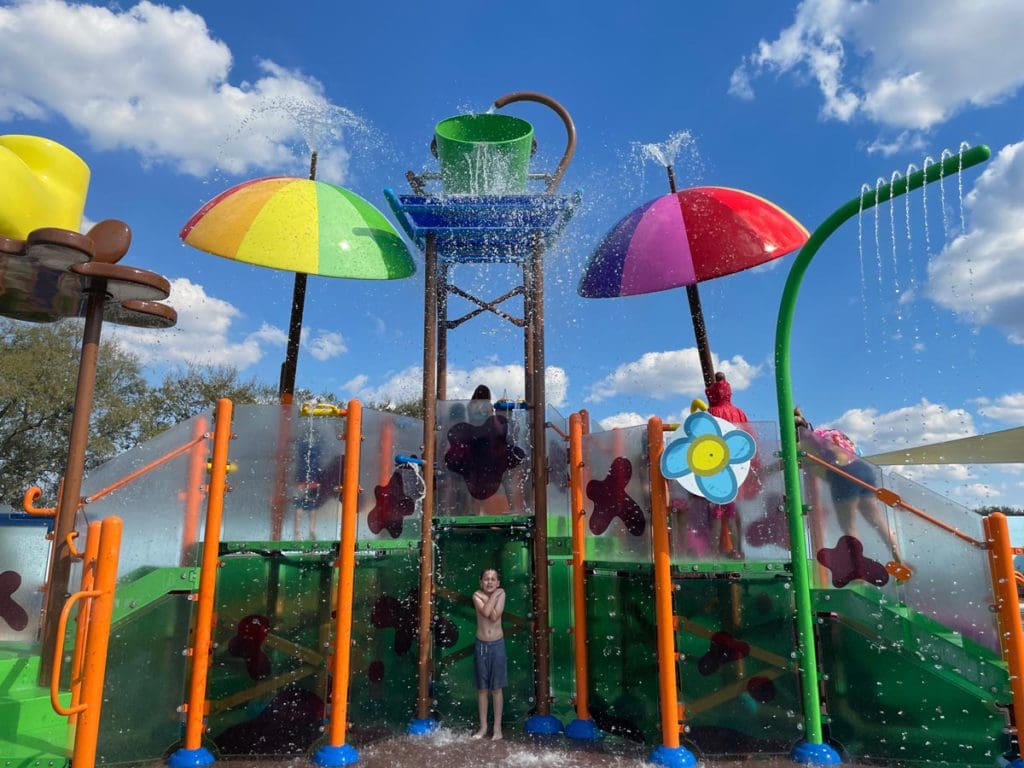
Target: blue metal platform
{"x":492,"y":229}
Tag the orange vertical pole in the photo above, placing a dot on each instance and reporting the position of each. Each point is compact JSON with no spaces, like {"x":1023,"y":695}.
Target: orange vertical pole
{"x":579,"y":598}
{"x":94,"y":662}
{"x":1011,"y":632}
{"x":92,"y":548}
{"x":193,"y":487}
{"x":671,"y":709}
{"x":195,"y":707}
{"x":337,"y":752}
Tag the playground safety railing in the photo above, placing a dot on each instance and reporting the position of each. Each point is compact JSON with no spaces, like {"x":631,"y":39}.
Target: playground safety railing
{"x":196,"y":707}
{"x":941,"y":543}
{"x":158,"y":489}
{"x":95,"y":601}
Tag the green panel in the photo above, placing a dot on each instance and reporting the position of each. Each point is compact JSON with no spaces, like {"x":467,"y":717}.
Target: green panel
{"x":560,"y":620}
{"x":622,"y":660}
{"x":268,"y":698}
{"x":462,"y":553}
{"x":748,"y":704}
{"x":385,"y":627}
{"x":736,"y":674}
{"x":145,"y":680}
{"x":889,"y":703}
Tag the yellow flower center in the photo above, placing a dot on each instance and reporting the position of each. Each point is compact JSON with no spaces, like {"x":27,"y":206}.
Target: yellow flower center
{"x":707,"y":456}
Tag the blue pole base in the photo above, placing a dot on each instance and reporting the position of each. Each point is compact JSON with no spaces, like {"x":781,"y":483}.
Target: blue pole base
{"x":806,"y":753}
{"x":191,"y":758}
{"x":583,"y":730}
{"x":335,"y":757}
{"x":543,"y":725}
{"x":422,"y":726}
{"x":673,"y":757}
{"x":1018,"y":763}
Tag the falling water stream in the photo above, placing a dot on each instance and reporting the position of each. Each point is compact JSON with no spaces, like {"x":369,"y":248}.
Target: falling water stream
{"x":912,"y":292}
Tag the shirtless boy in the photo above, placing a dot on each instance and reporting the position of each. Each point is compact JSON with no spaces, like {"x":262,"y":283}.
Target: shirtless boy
{"x":490,"y":668}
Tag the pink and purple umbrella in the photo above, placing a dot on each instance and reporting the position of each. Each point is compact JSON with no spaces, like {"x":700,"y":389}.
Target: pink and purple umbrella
{"x":688,"y":237}
{"x":685,"y":238}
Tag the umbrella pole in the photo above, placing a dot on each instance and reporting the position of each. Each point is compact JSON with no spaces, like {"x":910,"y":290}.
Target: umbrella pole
{"x":286,"y":387}
{"x":700,"y":330}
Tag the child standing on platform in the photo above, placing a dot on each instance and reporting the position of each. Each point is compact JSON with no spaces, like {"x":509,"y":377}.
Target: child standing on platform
{"x":490,"y":666}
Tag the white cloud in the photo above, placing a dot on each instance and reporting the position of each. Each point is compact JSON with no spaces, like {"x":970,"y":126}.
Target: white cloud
{"x":502,"y":380}
{"x":325,"y":345}
{"x":1008,"y":408}
{"x":153,"y":79}
{"x":356,"y":383}
{"x":977,"y":494}
{"x":620,"y":420}
{"x":202,"y":334}
{"x":664,"y":375}
{"x":902,"y":63}
{"x":931,"y":475}
{"x":914,"y":425}
{"x":905,"y":141}
{"x":980,"y":275}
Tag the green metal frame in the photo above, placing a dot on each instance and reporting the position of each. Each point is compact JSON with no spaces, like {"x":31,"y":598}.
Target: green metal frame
{"x":807,"y":656}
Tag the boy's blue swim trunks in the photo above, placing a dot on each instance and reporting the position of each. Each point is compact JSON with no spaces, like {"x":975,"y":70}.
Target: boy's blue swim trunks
{"x":490,"y":665}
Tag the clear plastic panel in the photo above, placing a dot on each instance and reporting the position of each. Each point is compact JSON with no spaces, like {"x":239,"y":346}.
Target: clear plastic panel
{"x":286,"y":476}
{"x":701,"y":531}
{"x":24,"y":555}
{"x":483,"y":459}
{"x":157,"y":489}
{"x":617,"y":495}
{"x":559,"y":522}
{"x":951,"y":581}
{"x":850,"y":534}
{"x":390,"y":503}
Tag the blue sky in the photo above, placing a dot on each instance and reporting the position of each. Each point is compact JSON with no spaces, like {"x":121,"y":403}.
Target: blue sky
{"x":900,"y":338}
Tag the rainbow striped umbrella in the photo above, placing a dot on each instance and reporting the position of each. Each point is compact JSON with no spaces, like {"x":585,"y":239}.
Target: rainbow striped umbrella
{"x":300,"y":225}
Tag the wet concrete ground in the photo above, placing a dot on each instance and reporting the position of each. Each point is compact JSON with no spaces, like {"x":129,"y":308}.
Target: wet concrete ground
{"x":456,"y":749}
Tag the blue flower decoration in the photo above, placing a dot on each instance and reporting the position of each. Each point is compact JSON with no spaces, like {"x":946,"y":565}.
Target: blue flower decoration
{"x":706,"y":455}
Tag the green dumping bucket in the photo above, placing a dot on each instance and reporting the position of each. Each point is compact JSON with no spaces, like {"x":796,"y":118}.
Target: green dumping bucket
{"x":484,"y":154}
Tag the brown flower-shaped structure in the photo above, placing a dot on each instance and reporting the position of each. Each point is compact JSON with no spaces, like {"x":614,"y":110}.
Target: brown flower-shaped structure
{"x":57,"y":273}
{"x":51,"y":274}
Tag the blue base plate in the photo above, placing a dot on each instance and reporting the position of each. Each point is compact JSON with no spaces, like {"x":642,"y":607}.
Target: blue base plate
{"x":543,"y":725}
{"x":583,"y":730}
{"x":335,"y":757}
{"x":191,"y":758}
{"x":673,"y":757}
{"x":422,"y":726}
{"x":806,"y":753}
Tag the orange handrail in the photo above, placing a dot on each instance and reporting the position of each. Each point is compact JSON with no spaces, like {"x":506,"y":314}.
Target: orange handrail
{"x":891,"y":499}
{"x":1011,"y":632}
{"x":195,"y":707}
{"x":92,"y":549}
{"x":346,"y":576}
{"x":579,"y":597}
{"x":104,"y":544}
{"x":671,"y":710}
{"x":32,"y":495}
{"x":58,"y":654}
{"x":141,"y":471}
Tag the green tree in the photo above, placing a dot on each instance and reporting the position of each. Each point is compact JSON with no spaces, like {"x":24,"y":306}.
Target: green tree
{"x":185,"y":392}
{"x":38,"y":378}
